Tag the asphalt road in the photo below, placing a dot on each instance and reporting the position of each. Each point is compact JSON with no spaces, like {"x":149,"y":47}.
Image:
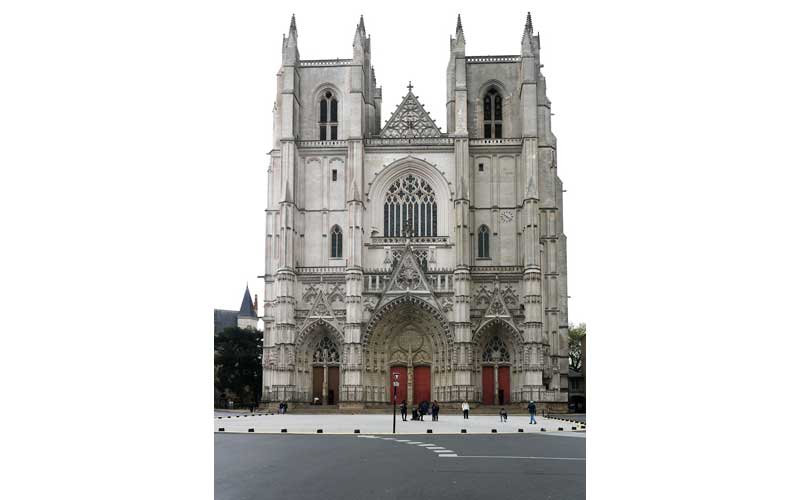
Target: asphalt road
{"x":535,"y":466}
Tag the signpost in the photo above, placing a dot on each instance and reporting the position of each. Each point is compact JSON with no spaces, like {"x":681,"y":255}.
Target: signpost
{"x":395,"y":384}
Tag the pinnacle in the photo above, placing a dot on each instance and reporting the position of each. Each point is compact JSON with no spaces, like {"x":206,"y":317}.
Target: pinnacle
{"x":458,"y":24}
{"x":361,"y":24}
{"x":529,"y":24}
{"x":293,"y":26}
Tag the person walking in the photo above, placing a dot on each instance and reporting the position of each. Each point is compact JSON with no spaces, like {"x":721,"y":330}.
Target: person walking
{"x":423,"y":410}
{"x":403,"y":410}
{"x":503,"y":415}
{"x":532,"y":411}
{"x":465,"y":409}
{"x":435,"y":411}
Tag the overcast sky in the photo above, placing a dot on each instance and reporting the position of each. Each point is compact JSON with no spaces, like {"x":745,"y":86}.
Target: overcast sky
{"x":406,"y":46}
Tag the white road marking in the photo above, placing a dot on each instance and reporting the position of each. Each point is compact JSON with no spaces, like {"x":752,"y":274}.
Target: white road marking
{"x":435,"y":447}
{"x":403,"y":440}
{"x":442,"y":451}
{"x":413,"y":442}
{"x":453,"y":455}
{"x":529,"y":458}
{"x":426,"y":444}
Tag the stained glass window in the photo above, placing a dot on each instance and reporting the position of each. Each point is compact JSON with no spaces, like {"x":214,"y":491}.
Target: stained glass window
{"x":410,"y":200}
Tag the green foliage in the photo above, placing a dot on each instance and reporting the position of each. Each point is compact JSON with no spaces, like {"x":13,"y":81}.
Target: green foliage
{"x":237,"y":364}
{"x":576,"y":335}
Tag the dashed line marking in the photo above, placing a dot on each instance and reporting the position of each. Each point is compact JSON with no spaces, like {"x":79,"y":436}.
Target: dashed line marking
{"x":442,"y":451}
{"x":453,"y":455}
{"x":414,"y":442}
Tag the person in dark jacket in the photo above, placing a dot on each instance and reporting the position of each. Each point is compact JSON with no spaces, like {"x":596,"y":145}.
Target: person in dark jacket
{"x":435,"y":411}
{"x":404,"y":410}
{"x":532,"y":411}
{"x":503,"y":415}
{"x":423,"y":410}
{"x":414,"y":413}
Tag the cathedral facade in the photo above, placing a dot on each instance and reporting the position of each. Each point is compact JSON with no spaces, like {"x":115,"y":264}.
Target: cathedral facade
{"x":404,"y":251}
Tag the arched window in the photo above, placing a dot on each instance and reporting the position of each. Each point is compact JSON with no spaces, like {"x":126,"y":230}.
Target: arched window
{"x":483,"y":242}
{"x":493,"y":115}
{"x":496,"y":351}
{"x":328,"y":116}
{"x":336,"y":242}
{"x":409,"y":201}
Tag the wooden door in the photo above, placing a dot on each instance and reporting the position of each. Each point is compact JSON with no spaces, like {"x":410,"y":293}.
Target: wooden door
{"x":504,"y":384}
{"x":487,"y":381}
{"x":317,"y":380}
{"x":422,"y":384}
{"x":402,"y":390}
{"x":333,"y":385}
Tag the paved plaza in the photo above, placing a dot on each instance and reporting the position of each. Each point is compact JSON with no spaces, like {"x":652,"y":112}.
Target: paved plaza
{"x":382,"y":423}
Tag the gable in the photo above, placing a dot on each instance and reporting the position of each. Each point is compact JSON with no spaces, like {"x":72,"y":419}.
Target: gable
{"x":410,"y":120}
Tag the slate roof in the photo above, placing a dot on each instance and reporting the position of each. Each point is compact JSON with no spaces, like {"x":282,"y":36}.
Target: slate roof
{"x":247,"y":305}
{"x":224,"y":319}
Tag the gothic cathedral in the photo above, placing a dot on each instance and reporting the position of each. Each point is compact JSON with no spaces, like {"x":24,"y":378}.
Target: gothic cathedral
{"x":439,"y":256}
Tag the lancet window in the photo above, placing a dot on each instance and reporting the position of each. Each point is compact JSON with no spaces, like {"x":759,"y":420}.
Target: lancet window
{"x":328,"y":117}
{"x":483,"y":242}
{"x":492,"y":115}
{"x":336,"y":242}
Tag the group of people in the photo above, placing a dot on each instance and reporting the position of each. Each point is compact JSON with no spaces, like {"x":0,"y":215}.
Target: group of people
{"x":419,"y":412}
{"x":283,"y":406}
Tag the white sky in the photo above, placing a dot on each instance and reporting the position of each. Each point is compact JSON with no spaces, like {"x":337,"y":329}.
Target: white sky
{"x":405,"y":46}
{"x":133,"y":141}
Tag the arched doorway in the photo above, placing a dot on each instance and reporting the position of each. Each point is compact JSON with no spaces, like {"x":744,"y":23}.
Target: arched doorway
{"x":410,"y":339}
{"x":499,"y":362}
{"x":318,"y":356}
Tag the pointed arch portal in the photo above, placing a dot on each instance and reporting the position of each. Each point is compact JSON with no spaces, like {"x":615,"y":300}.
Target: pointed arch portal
{"x":409,"y":339}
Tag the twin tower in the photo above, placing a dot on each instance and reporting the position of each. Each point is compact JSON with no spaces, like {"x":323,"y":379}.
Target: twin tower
{"x":399,"y":250}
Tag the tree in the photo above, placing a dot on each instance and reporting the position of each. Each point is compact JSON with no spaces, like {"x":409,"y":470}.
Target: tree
{"x":237,"y":364}
{"x":576,"y":343}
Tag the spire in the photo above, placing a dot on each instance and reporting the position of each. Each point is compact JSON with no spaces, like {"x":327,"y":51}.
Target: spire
{"x":527,"y":37}
{"x":290,"y":53}
{"x":247,"y":304}
{"x":360,"y":42}
{"x":459,"y":42}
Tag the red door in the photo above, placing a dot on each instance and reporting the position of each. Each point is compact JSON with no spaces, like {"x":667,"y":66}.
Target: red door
{"x":333,"y":385}
{"x":318,"y":376}
{"x":488,"y":385}
{"x":422,"y":384}
{"x":504,"y":383}
{"x":402,"y":390}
